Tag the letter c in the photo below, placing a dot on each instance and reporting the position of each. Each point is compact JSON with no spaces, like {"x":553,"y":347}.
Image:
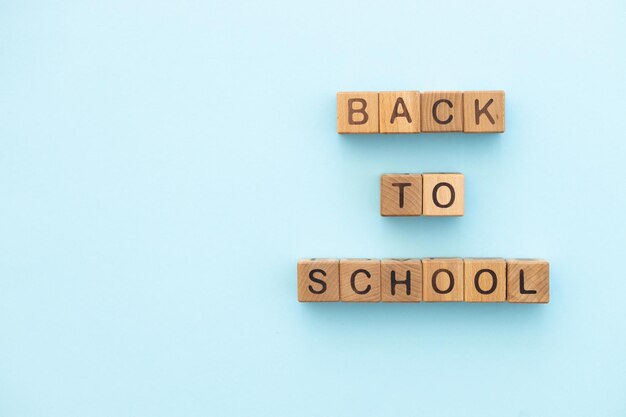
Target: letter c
{"x":353,"y":281}
{"x":437,"y":119}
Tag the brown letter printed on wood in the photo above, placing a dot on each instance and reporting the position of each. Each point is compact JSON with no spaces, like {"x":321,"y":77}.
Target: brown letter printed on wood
{"x":401,"y":195}
{"x":399,"y":112}
{"x":483,"y":111}
{"x":444,"y":194}
{"x":357,"y":112}
{"x":443,"y":279}
{"x":528,"y":281}
{"x":359,"y":280}
{"x":401,"y":280}
{"x":442,"y":111}
{"x":485,"y":280}
{"x":318,"y":280}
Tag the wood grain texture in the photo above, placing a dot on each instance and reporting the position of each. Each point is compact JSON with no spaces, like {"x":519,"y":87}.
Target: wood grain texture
{"x":401,"y":280}
{"x":401,"y":195}
{"x":318,"y":280}
{"x":359,"y":280}
{"x":357,"y":112}
{"x":442,"y":279}
{"x":528,"y":281}
{"x":443,"y":194}
{"x":442,"y":111}
{"x":483,"y":111}
{"x":485,"y":280}
{"x":399,"y":112}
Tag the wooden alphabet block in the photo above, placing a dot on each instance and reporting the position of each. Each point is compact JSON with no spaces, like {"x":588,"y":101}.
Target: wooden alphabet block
{"x":442,"y":111}
{"x":528,"y":281}
{"x":359,"y":280}
{"x":483,"y":111}
{"x":485,"y":280}
{"x":443,"y":195}
{"x":401,"y":280}
{"x":442,"y":279}
{"x":318,"y":280}
{"x":399,"y":112}
{"x":357,"y":112}
{"x":401,"y":195}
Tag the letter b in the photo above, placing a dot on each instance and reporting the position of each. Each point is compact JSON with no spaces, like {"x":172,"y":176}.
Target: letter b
{"x":357,"y":113}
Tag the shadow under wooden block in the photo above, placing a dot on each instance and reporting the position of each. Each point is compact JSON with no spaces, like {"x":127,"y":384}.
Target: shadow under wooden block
{"x":357,"y":112}
{"x":401,"y":280}
{"x":359,"y":280}
{"x":443,"y":194}
{"x":442,"y":111}
{"x":442,"y":279}
{"x":528,"y":281}
{"x":483,"y":111}
{"x":401,"y":195}
{"x":318,"y":280}
{"x":399,"y":112}
{"x":485,"y":280}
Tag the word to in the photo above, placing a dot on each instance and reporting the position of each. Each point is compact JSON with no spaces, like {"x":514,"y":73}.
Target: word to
{"x":415,"y":112}
{"x":490,"y":280}
{"x":432,"y":194}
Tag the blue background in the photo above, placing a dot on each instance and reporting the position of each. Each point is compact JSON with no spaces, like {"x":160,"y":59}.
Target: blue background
{"x":163,"y":165}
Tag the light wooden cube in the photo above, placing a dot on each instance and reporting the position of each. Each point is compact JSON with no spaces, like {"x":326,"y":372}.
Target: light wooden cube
{"x":483,"y":111}
{"x":401,"y":280}
{"x":318,"y":280}
{"x":401,"y":195}
{"x":443,"y":194}
{"x":528,"y":281}
{"x":359,"y":280}
{"x":357,"y":112}
{"x":399,"y":112}
{"x":442,"y":111}
{"x":485,"y":280}
{"x":442,"y":279}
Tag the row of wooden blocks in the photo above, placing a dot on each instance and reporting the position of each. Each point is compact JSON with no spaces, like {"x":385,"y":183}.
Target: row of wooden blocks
{"x":488,"y":280}
{"x":415,"y":112}
{"x":431,"y":194}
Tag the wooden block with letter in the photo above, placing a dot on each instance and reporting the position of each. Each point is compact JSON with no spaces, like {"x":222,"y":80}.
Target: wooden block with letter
{"x":485,"y":280}
{"x":318,"y":280}
{"x":357,"y":112}
{"x":528,"y":281}
{"x":442,"y":111}
{"x":401,"y":280}
{"x":443,"y":194}
{"x":359,"y":280}
{"x":483,"y":111}
{"x":401,"y":195}
{"x":442,"y":279}
{"x":399,"y":112}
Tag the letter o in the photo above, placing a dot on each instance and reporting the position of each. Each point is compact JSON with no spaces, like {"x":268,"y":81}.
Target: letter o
{"x":434,"y":281}
{"x":452,"y":194}
{"x":494,"y":281}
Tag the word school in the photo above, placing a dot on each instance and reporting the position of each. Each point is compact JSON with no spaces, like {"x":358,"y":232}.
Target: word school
{"x":415,"y":112}
{"x":489,"y":280}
